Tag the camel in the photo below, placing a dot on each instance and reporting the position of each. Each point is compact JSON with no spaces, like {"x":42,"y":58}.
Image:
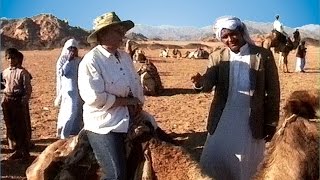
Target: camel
{"x":293,"y":152}
{"x":150,"y":79}
{"x":173,"y":162}
{"x":186,"y":54}
{"x":164,"y":53}
{"x":197,"y":54}
{"x":48,"y":164}
{"x":148,"y":157}
{"x":129,"y":48}
{"x":176,"y":53}
{"x":282,"y":44}
{"x":139,"y":56}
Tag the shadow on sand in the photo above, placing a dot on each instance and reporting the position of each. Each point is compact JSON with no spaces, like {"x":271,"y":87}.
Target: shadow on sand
{"x":193,"y":142}
{"x":312,"y":70}
{"x":175,"y":91}
{"x":15,"y":169}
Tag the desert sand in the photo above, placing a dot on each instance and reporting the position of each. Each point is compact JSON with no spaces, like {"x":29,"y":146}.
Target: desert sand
{"x":179,"y":110}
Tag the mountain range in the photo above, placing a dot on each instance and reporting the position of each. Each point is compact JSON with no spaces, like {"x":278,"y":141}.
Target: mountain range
{"x":46,"y":31}
{"x":166,"y":32}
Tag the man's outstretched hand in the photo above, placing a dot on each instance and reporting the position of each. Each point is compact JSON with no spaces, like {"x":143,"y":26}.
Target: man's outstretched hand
{"x":196,"y":79}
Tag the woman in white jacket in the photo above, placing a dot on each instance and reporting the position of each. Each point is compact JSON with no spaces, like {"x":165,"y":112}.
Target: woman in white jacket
{"x":112,"y":93}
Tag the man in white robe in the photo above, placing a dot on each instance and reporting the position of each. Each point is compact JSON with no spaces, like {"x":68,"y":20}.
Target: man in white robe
{"x":245,"y":109}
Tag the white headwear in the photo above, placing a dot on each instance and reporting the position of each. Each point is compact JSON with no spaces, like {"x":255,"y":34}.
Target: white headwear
{"x":62,"y":59}
{"x":67,"y":44}
{"x":232,"y":23}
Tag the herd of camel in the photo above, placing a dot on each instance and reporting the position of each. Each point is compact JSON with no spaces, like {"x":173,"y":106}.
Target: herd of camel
{"x":150,"y":78}
{"x":292,"y":153}
{"x":275,"y":39}
{"x":199,"y":53}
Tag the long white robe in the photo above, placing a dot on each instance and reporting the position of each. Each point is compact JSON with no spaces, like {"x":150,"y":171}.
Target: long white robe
{"x":70,"y":113}
{"x":67,"y":93}
{"x":232,"y":153}
{"x":300,"y":63}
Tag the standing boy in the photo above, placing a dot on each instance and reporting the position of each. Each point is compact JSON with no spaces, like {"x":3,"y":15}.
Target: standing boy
{"x":15,"y":105}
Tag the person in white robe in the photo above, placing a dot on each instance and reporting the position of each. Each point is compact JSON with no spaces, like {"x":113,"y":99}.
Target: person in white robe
{"x":277,"y":25}
{"x":245,"y":108}
{"x":68,"y":98}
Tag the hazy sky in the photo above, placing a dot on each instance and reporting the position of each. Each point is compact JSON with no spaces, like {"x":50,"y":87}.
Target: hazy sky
{"x":198,"y":13}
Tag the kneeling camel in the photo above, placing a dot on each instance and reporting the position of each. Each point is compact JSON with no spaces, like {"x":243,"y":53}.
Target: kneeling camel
{"x":293,"y":152}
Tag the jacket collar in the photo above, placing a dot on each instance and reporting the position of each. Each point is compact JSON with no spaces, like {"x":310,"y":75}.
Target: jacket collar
{"x":255,"y":57}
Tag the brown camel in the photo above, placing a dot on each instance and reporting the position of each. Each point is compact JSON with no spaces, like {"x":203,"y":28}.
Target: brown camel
{"x":176,"y":53}
{"x":293,"y":153}
{"x":164,"y":53}
{"x":139,"y":56}
{"x":131,"y":47}
{"x":281,"y":44}
{"x":150,"y":158}
{"x":150,"y":79}
{"x":199,"y":53}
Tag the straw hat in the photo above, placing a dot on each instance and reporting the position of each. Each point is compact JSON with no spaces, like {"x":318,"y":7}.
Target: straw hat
{"x":107,"y":20}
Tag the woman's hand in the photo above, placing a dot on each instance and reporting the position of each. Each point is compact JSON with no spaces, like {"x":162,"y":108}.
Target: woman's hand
{"x":134,"y":107}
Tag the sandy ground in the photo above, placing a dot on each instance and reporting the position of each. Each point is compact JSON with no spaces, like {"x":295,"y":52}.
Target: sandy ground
{"x":179,"y":110}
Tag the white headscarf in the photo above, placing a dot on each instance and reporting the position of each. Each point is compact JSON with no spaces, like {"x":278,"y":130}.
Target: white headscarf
{"x":62,"y":59}
{"x":67,"y":44}
{"x":231,"y":22}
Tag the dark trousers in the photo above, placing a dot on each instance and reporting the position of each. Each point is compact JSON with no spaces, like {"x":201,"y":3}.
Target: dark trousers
{"x":14,"y":115}
{"x":28,"y":122}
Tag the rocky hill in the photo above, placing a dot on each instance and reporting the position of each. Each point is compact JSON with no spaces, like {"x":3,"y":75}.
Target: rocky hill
{"x":43,"y":31}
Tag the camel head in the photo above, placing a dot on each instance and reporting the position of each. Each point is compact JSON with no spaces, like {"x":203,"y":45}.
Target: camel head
{"x":277,"y":38}
{"x":303,"y":103}
{"x":146,"y":67}
{"x":142,"y":69}
{"x":139,"y":56}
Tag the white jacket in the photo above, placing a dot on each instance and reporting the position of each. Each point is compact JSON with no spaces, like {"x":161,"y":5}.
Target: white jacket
{"x":102,"y":78}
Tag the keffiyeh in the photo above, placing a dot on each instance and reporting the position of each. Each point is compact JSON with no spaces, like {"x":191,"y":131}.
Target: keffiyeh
{"x":231,"y":23}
